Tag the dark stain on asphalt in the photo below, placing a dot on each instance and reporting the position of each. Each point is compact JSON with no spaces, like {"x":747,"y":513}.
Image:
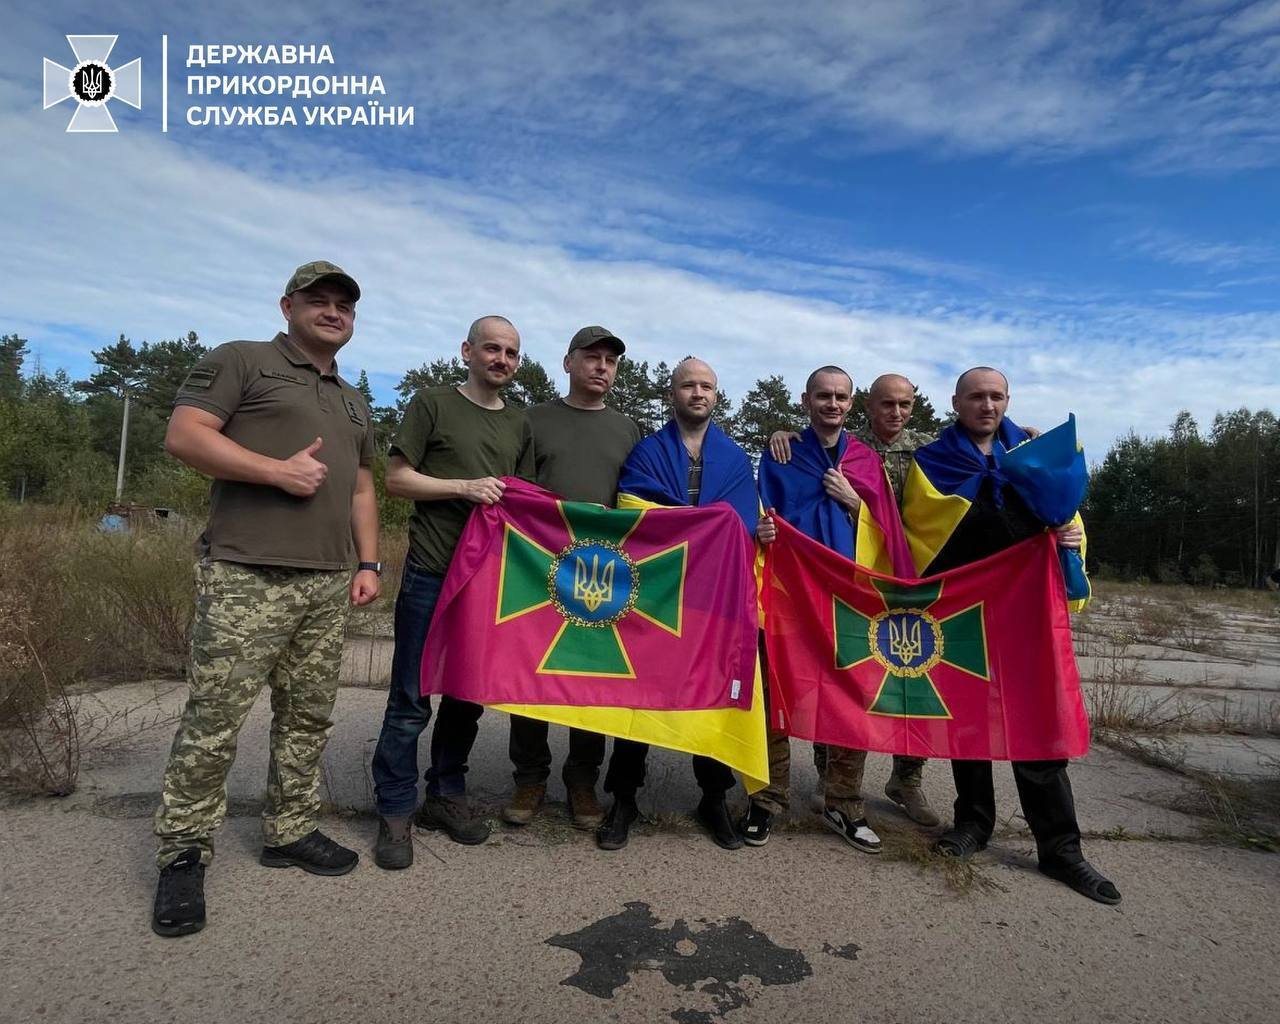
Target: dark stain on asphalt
{"x":849,"y":951}
{"x":714,"y":959}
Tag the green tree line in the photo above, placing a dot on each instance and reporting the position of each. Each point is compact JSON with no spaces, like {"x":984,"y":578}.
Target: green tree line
{"x":1187,"y":507}
{"x":1190,"y":507}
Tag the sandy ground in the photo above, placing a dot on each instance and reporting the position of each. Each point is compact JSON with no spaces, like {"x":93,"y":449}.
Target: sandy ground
{"x":538,"y":925}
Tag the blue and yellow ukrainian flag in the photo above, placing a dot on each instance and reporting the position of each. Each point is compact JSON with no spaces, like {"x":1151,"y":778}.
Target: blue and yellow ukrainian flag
{"x":1048,"y":473}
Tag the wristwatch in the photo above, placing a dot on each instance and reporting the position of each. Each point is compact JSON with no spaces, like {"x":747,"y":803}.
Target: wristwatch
{"x":373,"y":567}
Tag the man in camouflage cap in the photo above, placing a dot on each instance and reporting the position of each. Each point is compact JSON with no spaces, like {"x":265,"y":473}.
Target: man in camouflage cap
{"x":289,"y":445}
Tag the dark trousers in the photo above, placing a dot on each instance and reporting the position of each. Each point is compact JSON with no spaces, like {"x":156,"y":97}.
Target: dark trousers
{"x":395,"y":760}
{"x":531,"y":754}
{"x":1045,"y":794}
{"x":627,"y":769}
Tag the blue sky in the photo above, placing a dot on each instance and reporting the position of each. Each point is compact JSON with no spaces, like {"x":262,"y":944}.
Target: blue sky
{"x":1085,"y":194}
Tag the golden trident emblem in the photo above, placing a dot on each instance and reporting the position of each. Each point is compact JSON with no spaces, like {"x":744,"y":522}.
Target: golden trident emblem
{"x":595,"y":589}
{"x":905,"y":643}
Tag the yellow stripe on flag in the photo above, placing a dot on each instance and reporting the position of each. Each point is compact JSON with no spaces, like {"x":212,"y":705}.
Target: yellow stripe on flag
{"x":929,"y":517}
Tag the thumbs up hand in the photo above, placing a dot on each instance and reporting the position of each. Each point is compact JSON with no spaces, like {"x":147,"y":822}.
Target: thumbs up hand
{"x":302,"y":473}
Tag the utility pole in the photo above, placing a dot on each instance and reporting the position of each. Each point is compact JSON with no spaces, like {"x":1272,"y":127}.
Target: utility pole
{"x":1257,"y":512}
{"x":124,"y":448}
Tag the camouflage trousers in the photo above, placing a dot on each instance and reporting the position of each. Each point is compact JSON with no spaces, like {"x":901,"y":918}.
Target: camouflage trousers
{"x":254,"y":626}
{"x":840,"y":774}
{"x":908,"y":772}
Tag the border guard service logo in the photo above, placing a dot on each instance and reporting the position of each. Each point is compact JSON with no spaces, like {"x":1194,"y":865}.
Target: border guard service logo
{"x":92,"y":83}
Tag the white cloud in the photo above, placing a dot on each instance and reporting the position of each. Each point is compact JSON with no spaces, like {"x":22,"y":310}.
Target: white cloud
{"x":1171,"y":247}
{"x":177,"y":240}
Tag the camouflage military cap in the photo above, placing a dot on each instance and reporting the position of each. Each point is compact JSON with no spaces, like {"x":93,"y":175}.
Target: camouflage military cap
{"x":319,"y":270}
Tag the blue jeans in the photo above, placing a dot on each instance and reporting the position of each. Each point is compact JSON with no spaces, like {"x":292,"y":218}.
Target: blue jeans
{"x":395,"y":761}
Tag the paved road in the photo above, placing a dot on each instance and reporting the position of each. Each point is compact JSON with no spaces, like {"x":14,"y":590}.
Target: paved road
{"x":537,"y":925}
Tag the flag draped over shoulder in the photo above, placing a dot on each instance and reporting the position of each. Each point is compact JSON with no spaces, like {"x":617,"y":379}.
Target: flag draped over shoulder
{"x":795,"y":489}
{"x":975,"y":663}
{"x":1048,"y":473}
{"x":657,"y":471}
{"x":559,"y":602}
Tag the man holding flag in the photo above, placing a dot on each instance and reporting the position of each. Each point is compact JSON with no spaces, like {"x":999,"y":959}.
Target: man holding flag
{"x":890,"y":402}
{"x":960,"y":507}
{"x":821,"y":492}
{"x":452,"y":446}
{"x":691,"y":461}
{"x":580,"y":444}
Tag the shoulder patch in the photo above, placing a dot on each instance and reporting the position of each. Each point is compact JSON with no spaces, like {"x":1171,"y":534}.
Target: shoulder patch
{"x":201,"y":377}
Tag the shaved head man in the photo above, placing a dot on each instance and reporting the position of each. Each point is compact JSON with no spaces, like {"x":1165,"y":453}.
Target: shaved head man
{"x":690,"y":461}
{"x":890,"y":402}
{"x":999,"y":518}
{"x":980,"y":401}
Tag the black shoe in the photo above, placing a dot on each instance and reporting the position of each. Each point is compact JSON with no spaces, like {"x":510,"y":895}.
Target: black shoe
{"x":394,"y":848}
{"x":755,"y":825}
{"x":453,"y":816}
{"x":179,"y":906}
{"x":315,"y":852}
{"x":1085,"y":879}
{"x":713,"y":812}
{"x":959,"y":844}
{"x":615,"y":830}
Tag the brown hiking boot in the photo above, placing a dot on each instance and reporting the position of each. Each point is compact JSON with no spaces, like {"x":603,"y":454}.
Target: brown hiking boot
{"x":585,"y":807}
{"x":524,"y":803}
{"x":913,"y":802}
{"x":453,"y":816}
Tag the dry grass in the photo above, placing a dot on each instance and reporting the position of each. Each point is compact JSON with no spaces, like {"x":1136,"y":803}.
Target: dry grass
{"x":1266,"y":602}
{"x":77,"y":606}
{"x":912,"y":846}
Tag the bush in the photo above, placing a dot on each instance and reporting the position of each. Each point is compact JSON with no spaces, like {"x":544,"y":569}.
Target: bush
{"x":168,"y":483}
{"x":1205,"y":572}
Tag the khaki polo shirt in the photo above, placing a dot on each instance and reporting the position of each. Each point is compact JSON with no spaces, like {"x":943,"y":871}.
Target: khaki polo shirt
{"x":275,"y":402}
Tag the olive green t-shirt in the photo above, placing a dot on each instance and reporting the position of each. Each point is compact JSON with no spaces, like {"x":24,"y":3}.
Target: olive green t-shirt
{"x":446,"y":435}
{"x":579,"y":452}
{"x":275,"y":402}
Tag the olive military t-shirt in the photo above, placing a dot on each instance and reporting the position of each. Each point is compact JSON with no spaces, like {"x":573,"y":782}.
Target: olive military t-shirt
{"x":446,"y":435}
{"x":275,"y":402}
{"x":580,"y":452}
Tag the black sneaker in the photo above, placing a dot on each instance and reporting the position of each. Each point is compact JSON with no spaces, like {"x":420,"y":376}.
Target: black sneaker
{"x":615,"y":830}
{"x":755,"y":825}
{"x":179,"y":908}
{"x":315,"y":852}
{"x":857,"y":834}
{"x":453,"y":816}
{"x":394,"y":848}
{"x":713,"y":812}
